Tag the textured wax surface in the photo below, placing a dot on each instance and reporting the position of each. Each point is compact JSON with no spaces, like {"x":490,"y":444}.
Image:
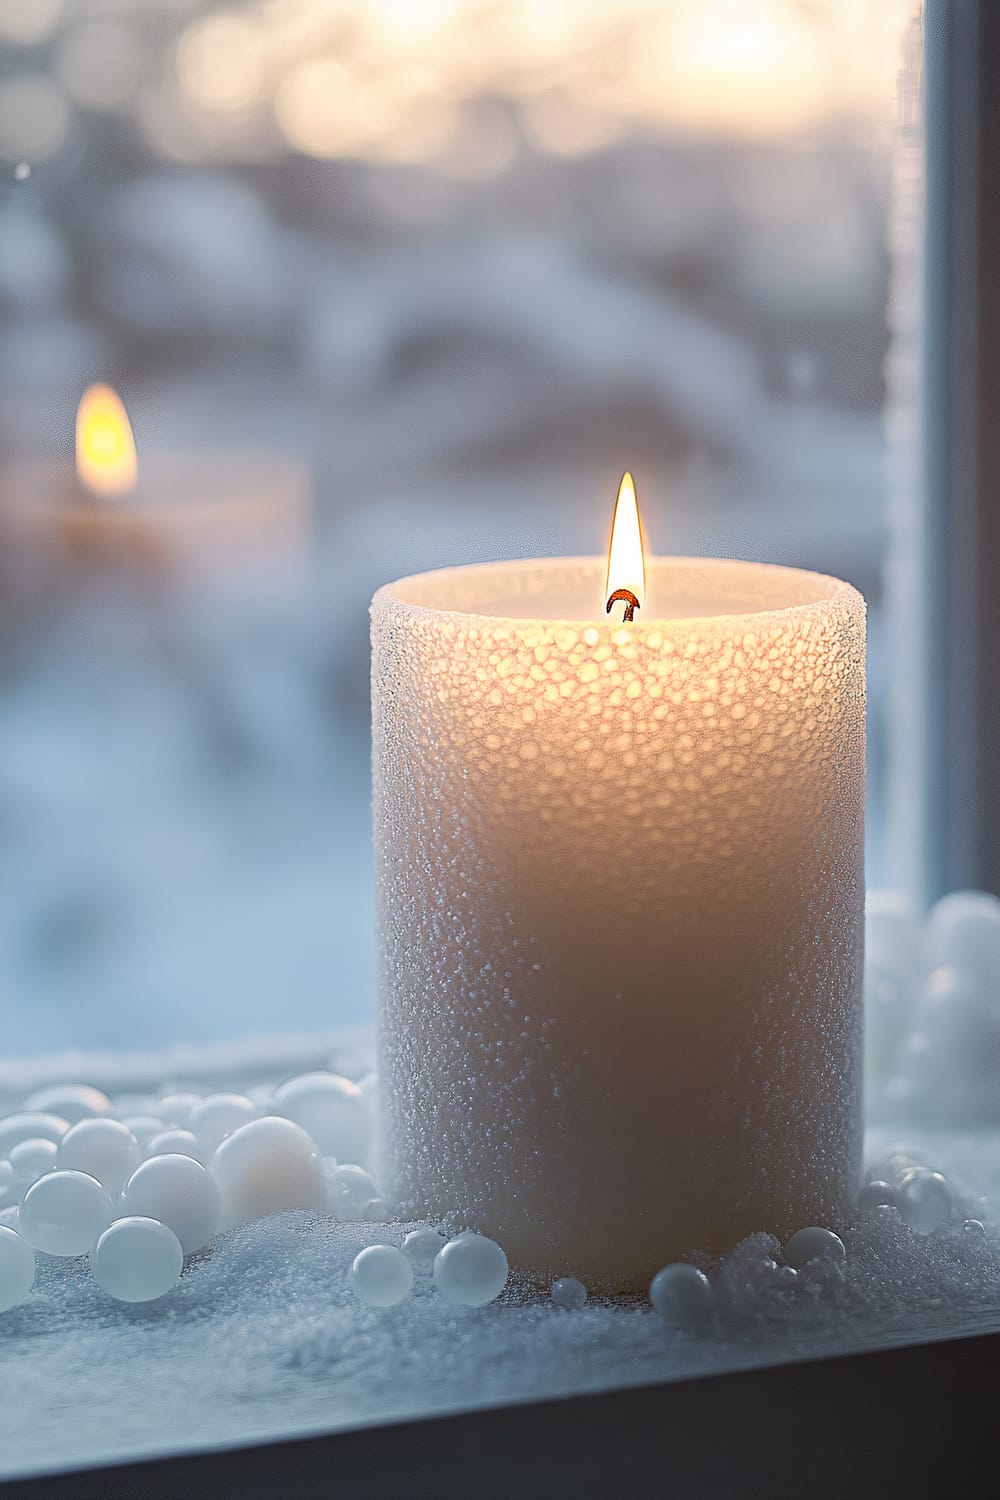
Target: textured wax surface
{"x":620,"y":903}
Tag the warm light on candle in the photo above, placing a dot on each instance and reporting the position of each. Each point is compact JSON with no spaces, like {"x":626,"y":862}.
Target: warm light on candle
{"x":105,"y":448}
{"x":648,"y":840}
{"x":626,"y":577}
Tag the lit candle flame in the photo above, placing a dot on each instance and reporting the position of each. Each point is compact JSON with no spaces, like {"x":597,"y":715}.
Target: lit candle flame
{"x":626,"y":577}
{"x":105,"y":448}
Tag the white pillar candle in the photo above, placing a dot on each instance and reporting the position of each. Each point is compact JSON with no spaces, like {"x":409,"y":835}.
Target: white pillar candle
{"x":620,"y":902}
{"x":198,"y":517}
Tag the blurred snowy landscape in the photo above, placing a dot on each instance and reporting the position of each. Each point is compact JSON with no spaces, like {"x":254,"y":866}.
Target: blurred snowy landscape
{"x":468,"y":262}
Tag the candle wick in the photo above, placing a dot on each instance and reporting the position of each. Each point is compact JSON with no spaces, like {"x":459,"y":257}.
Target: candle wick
{"x":631,"y":604}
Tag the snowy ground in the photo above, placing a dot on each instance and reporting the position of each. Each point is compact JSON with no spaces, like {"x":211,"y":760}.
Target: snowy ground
{"x":262,"y":1337}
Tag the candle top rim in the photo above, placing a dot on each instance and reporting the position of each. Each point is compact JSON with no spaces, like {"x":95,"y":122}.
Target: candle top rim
{"x":807,"y":592}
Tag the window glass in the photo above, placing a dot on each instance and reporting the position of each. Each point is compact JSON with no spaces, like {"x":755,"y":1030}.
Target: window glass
{"x":466,"y":260}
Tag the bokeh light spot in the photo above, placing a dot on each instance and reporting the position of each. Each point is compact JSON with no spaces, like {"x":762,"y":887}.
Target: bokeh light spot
{"x":34,"y":117}
{"x":26,"y":23}
{"x":99,"y":64}
{"x":220,"y":62}
{"x":325,"y":110}
{"x":562,"y":126}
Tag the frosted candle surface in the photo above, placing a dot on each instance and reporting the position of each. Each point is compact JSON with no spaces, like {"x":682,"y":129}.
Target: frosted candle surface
{"x":620,"y":906}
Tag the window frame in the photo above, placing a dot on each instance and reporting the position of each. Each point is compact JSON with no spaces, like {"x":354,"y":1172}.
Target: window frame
{"x":944,"y":790}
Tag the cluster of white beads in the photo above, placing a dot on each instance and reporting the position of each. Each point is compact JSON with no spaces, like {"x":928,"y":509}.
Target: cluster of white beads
{"x":925,"y":1200}
{"x":932,"y":1045}
{"x":139,"y":1183}
{"x":469,"y":1270}
{"x":685,"y":1298}
{"x":177,"y":1191}
{"x":921,"y":1197}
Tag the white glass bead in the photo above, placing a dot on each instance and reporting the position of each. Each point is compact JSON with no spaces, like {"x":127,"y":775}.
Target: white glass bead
{"x":17,"y":1268}
{"x":900,"y":1163}
{"x":143,"y":1127}
{"x":175,"y":1143}
{"x":175,"y":1109}
{"x":64,"y":1212}
{"x":974,"y":1229}
{"x":331,"y":1109}
{"x":471,"y":1270}
{"x":29,"y":1125}
{"x":72,"y":1101}
{"x":874,"y":1195}
{"x":381,"y":1276}
{"x":266,"y":1165}
{"x":30,"y":1158}
{"x":569,"y":1293}
{"x":217,"y":1116}
{"x":682,"y":1295}
{"x":421,"y":1247}
{"x":349,"y":1191}
{"x":137,"y":1260}
{"x":925,"y":1201}
{"x":179,"y":1192}
{"x":814,"y":1243}
{"x":786,"y":1276}
{"x":104,"y":1148}
{"x":963,"y":932}
{"x":376,"y":1211}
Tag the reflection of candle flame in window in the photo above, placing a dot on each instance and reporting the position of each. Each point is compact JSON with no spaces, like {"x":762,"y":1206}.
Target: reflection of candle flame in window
{"x":626,"y":559}
{"x":105,"y":448}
